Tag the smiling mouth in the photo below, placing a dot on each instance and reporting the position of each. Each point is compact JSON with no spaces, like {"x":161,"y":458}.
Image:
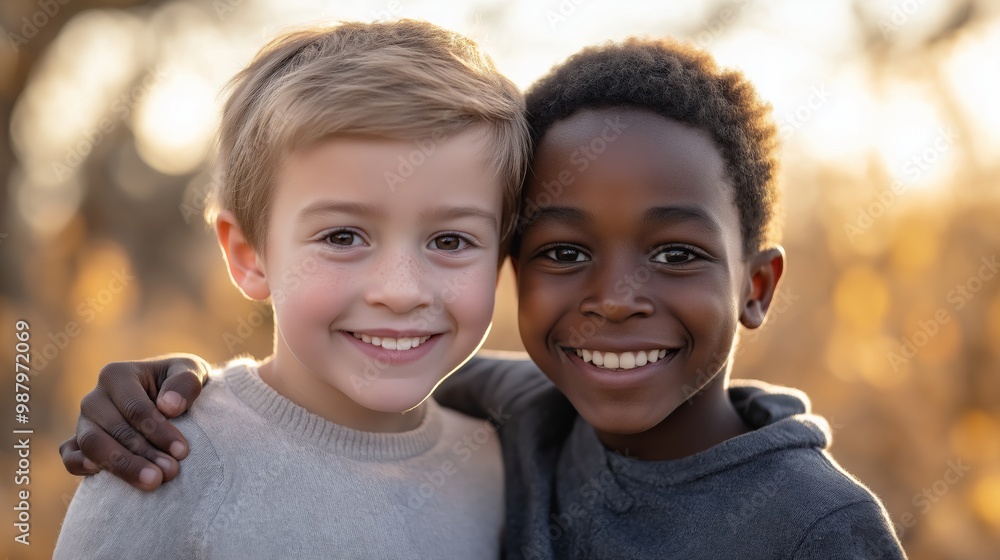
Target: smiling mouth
{"x":620,"y":361}
{"x":401,"y":343}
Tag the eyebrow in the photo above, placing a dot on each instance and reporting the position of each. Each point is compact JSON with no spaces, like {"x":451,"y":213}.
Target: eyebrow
{"x":674,"y":214}
{"x":658,"y":215}
{"x":321,"y":207}
{"x":442,"y":213}
{"x":556,"y":214}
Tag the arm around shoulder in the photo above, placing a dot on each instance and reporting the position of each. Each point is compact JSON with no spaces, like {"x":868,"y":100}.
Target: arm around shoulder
{"x":858,"y":530}
{"x":491,"y":381}
{"x":108,"y":518}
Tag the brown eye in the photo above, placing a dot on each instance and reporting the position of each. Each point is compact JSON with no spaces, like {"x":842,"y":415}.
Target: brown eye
{"x":448,"y":243}
{"x":343,"y":238}
{"x":565,"y":254}
{"x":675,"y":256}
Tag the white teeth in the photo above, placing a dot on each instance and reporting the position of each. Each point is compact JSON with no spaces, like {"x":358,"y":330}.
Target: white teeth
{"x":402,"y":343}
{"x":627,"y":360}
{"x":624,"y":360}
{"x":610,"y":360}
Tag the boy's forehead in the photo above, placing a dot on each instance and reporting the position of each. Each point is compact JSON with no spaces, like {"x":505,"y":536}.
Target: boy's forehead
{"x":629,"y":160}
{"x":366,"y":175}
{"x":618,"y":142}
{"x":388,"y":160}
{"x":600,"y":129}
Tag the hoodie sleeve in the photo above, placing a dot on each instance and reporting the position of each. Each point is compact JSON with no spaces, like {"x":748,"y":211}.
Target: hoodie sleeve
{"x":492,"y":383}
{"x":858,"y":530}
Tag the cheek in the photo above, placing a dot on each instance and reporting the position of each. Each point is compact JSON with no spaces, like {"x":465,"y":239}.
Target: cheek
{"x":470,"y":294}
{"x":539,"y":301}
{"x":710,"y":319}
{"x":311,"y":293}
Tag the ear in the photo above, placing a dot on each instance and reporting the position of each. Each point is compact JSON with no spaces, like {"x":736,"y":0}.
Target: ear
{"x":245,"y":267}
{"x":765,"y":270}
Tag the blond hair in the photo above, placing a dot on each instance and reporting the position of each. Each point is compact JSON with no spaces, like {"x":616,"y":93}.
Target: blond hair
{"x":401,"y":80}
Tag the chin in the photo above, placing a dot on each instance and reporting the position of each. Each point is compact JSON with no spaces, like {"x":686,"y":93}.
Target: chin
{"x":392,"y":395}
{"x":621,"y":418}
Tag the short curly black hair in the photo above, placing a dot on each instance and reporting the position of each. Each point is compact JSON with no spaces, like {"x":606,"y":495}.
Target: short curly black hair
{"x":682,"y":83}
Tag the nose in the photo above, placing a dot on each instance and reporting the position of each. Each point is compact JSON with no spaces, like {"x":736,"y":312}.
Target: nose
{"x":615,"y":291}
{"x":399,"y":282}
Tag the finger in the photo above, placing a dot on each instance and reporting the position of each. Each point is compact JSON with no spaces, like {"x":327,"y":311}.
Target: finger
{"x":180,"y":388}
{"x":99,"y":411}
{"x":111,"y":456}
{"x":123,"y":391}
{"x":75,"y":461}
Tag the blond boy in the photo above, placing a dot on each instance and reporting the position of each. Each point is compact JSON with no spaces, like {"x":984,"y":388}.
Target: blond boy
{"x":369,"y":177}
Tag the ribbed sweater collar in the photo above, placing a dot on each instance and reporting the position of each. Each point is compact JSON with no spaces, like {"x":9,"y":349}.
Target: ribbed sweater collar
{"x":243,"y":379}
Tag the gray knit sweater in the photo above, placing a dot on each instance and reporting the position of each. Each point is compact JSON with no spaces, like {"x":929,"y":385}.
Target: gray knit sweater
{"x":268,"y":479}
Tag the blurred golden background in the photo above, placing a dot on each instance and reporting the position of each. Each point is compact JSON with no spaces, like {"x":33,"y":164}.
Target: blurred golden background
{"x":889,"y":317}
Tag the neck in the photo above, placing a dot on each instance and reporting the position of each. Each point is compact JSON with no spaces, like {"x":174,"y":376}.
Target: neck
{"x":291,"y":380}
{"x":700,"y":423}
